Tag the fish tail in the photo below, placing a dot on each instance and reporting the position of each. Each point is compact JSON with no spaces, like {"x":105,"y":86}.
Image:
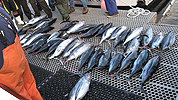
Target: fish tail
{"x":141,"y":89}
{"x":128,"y":80}
{"x":117,"y":75}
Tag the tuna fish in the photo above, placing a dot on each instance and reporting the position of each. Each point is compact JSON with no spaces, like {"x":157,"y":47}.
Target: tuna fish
{"x":118,"y":32}
{"x":148,"y":38}
{"x":148,"y":71}
{"x":135,"y":33}
{"x":105,"y":59}
{"x":34,"y":20}
{"x":38,"y":44}
{"x":84,"y":28}
{"x":54,"y":35}
{"x":168,"y":41}
{"x":139,"y":63}
{"x":107,"y":34}
{"x":52,"y":48}
{"x":48,"y":44}
{"x":71,"y":47}
{"x":121,"y":38}
{"x":103,"y":29}
{"x":81,"y":88}
{"x":61,"y":47}
{"x":92,"y":62}
{"x":84,"y":58}
{"x":128,"y":60}
{"x":68,"y":25}
{"x":115,"y":62}
{"x":157,"y":40}
{"x":73,"y":28}
{"x":92,"y":31}
{"x":82,"y":48}
{"x":132,"y":45}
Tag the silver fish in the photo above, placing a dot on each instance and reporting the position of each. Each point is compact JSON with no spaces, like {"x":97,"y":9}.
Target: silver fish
{"x":34,"y":20}
{"x":79,"y":51}
{"x":107,"y":34}
{"x":157,"y":40}
{"x":31,"y":39}
{"x":76,"y":26}
{"x":105,"y":59}
{"x":168,"y":41}
{"x":149,"y":37}
{"x":122,"y":29}
{"x":81,"y":88}
{"x":75,"y":44}
{"x":132,"y":45}
{"x":54,"y":35}
{"x":134,"y":34}
{"x":61,"y":47}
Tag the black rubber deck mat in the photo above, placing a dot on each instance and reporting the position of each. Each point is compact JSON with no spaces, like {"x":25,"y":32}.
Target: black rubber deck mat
{"x":62,"y":83}
{"x":39,"y":73}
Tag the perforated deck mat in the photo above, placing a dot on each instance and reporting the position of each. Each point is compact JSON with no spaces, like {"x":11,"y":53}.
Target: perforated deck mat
{"x":61,"y":84}
{"x":39,"y":74}
{"x":164,"y":83}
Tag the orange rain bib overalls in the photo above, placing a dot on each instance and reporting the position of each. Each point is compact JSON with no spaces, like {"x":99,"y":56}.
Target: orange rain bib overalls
{"x":15,"y":74}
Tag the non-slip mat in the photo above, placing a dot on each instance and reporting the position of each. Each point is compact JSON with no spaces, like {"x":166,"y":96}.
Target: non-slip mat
{"x":39,"y":74}
{"x":62,"y":83}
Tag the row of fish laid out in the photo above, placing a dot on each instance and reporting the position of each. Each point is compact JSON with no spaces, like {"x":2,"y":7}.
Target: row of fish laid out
{"x":122,"y":35}
{"x":37,"y":25}
{"x":118,"y":63}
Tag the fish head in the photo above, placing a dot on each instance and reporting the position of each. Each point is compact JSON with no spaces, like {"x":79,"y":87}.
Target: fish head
{"x":88,"y":76}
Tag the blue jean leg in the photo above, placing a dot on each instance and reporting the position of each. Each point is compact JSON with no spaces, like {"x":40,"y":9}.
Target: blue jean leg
{"x":71,"y":2}
{"x":84,"y":3}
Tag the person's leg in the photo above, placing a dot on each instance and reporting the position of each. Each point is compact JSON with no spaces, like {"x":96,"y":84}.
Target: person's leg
{"x":38,"y":5}
{"x":62,"y":10}
{"x":45,"y":7}
{"x":85,"y":8}
{"x":35,"y":8}
{"x":111,"y":7}
{"x":51,"y":5}
{"x":26,"y":9}
{"x":72,"y":9}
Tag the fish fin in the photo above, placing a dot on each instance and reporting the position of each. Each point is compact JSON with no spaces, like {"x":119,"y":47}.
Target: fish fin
{"x":141,"y":89}
{"x":117,"y":76}
{"x":66,"y":95}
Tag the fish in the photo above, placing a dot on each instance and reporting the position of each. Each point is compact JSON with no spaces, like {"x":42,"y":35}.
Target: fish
{"x":61,"y":47}
{"x":23,"y":32}
{"x":38,"y":45}
{"x":73,"y":28}
{"x":148,"y":70}
{"x":105,"y":59}
{"x":68,"y":25}
{"x":84,"y":58}
{"x":132,"y":45}
{"x":104,"y":28}
{"x":148,"y":38}
{"x":36,"y":39}
{"x":82,"y":48}
{"x":128,"y":60}
{"x":92,"y":31}
{"x":115,"y":62}
{"x":92,"y":62}
{"x":135,"y":33}
{"x":25,"y":38}
{"x":121,"y":37}
{"x":71,"y":47}
{"x":31,"y":39}
{"x":48,"y":44}
{"x":55,"y":35}
{"x":107,"y":34}
{"x":53,"y":47}
{"x":81,"y":88}
{"x":83,"y":28}
{"x":157,"y":40}
{"x":118,"y":31}
{"x":34,"y":20}
{"x":139,"y":63}
{"x":43,"y":30}
{"x":168,"y":41}
{"x":22,"y":36}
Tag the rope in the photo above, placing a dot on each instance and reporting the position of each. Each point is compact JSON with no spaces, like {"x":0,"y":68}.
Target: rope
{"x":134,"y":12}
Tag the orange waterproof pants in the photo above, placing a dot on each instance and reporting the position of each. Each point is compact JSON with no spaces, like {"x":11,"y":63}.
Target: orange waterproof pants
{"x":15,"y":75}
